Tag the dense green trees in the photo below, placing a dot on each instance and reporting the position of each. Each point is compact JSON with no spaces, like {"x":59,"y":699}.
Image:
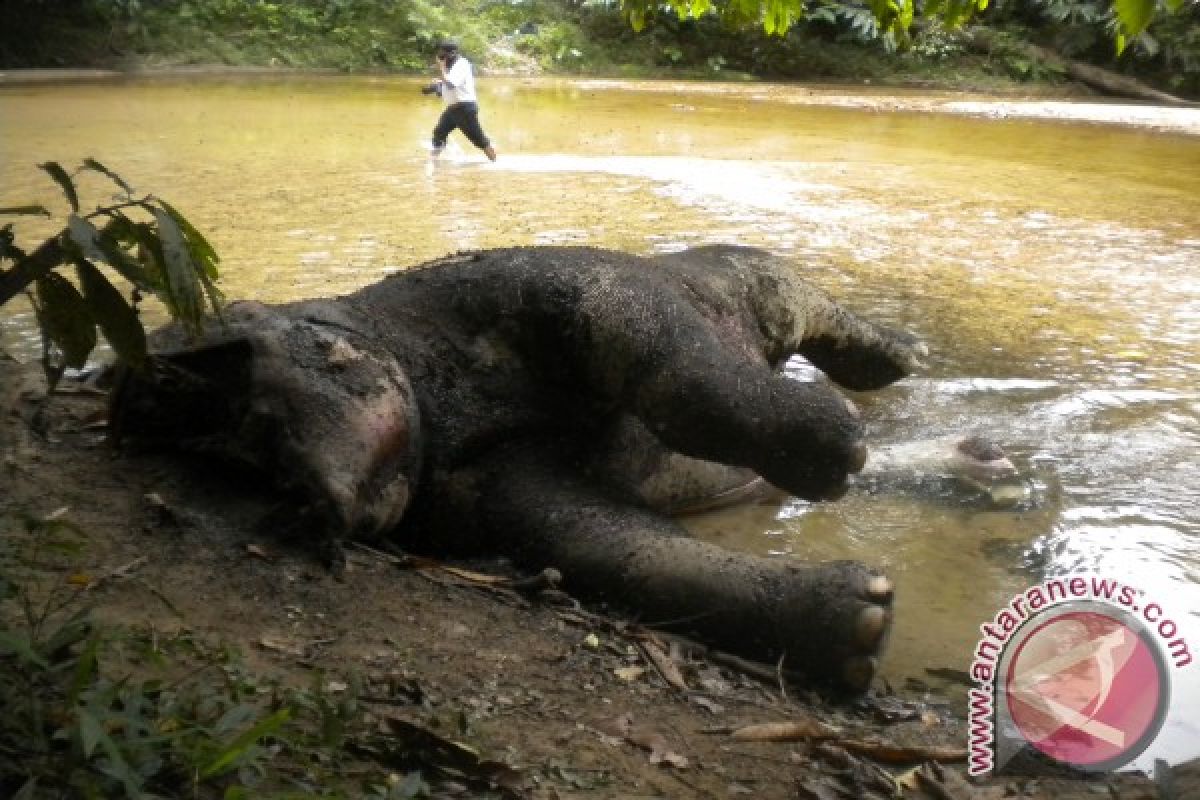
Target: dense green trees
{"x":1159,"y":39}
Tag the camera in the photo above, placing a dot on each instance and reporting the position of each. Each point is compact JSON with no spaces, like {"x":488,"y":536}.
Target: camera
{"x":433,"y":88}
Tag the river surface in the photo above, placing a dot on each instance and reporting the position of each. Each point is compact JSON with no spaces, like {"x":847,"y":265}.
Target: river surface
{"x":1051,"y":267}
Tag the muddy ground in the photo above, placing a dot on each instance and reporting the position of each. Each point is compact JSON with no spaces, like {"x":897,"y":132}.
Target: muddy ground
{"x":571,"y":698}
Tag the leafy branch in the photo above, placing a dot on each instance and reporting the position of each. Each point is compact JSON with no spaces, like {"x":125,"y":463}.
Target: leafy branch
{"x":146,"y":240}
{"x":891,"y":16}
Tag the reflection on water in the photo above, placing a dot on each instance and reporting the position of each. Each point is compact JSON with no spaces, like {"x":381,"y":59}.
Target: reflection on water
{"x":1051,"y":269}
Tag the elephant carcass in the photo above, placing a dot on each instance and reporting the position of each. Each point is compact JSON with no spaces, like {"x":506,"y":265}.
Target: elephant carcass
{"x":478,"y":403}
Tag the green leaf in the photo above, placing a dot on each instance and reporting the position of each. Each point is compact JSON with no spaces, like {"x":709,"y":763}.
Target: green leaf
{"x":105,"y":246}
{"x":116,"y":318}
{"x":55,"y":170}
{"x":183,"y":285}
{"x":7,"y":248}
{"x":85,"y":670}
{"x":15,"y":643}
{"x":90,"y":732}
{"x":69,"y":633}
{"x":203,"y":254}
{"x":243,"y":743}
{"x":84,"y":234}
{"x":1134,"y":15}
{"x":27,"y":210}
{"x":91,"y":163}
{"x":63,"y":315}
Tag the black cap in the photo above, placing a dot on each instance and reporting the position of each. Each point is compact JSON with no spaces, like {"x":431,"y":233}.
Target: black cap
{"x":448,"y":46}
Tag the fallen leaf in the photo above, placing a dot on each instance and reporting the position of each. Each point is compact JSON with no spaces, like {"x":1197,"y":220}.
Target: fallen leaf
{"x":710,"y":706}
{"x":256,"y":550}
{"x":79,"y":579}
{"x":902,"y":754}
{"x":908,"y":780}
{"x":473,"y":577}
{"x":819,"y":790}
{"x":286,"y":646}
{"x":591,"y":641}
{"x":793,"y":731}
{"x":630,"y":673}
{"x":663,"y":663}
{"x":669,"y":758}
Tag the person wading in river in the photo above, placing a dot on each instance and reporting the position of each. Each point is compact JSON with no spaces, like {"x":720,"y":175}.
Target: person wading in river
{"x":457,"y":88}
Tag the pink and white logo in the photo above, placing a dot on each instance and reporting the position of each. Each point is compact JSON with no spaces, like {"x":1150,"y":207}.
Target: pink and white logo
{"x":1073,"y":672}
{"x":1086,"y":688}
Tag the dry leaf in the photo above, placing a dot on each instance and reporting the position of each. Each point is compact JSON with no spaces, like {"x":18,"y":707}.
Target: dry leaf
{"x":908,"y":780}
{"x":901,"y":754}
{"x":794,"y":731}
{"x":288,"y":647}
{"x":260,"y":552}
{"x":663,"y":663}
{"x":669,"y":758}
{"x":630,"y":673}
{"x":79,"y":579}
{"x":473,"y":577}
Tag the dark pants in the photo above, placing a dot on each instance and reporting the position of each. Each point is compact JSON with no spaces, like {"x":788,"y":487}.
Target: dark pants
{"x":465,"y":117}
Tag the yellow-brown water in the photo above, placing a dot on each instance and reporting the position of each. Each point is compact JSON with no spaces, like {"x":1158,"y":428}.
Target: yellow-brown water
{"x":1051,"y":267}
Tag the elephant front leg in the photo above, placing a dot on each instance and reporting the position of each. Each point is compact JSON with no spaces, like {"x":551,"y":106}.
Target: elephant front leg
{"x":828,"y":621}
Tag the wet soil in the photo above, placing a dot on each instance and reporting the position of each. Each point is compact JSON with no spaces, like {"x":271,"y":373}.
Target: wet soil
{"x":567,"y":696}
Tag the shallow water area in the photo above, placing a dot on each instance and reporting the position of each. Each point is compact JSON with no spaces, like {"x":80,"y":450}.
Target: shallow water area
{"x":1050,"y":266}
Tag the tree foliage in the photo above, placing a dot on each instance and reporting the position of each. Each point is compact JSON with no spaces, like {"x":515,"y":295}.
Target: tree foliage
{"x":892,"y":16}
{"x":144,"y":240}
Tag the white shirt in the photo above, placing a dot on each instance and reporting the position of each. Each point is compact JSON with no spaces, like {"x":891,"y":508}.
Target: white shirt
{"x":459,"y":83}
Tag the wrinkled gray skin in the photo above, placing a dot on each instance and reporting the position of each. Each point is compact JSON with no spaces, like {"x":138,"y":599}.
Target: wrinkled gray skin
{"x":521,"y":401}
{"x":962,"y":469}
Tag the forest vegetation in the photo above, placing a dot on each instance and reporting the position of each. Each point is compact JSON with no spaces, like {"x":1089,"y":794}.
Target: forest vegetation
{"x":891,"y":42}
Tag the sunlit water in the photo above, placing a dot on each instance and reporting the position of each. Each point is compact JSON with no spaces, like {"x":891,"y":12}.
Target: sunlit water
{"x":1051,"y":268}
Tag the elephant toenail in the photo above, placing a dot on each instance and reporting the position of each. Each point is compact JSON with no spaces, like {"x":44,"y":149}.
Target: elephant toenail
{"x":880,"y":589}
{"x":869,"y":626}
{"x":858,"y":457}
{"x":859,"y":671}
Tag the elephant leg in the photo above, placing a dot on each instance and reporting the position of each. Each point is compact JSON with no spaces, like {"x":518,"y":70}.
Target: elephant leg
{"x":668,"y":365}
{"x":794,"y":317}
{"x":828,"y":620}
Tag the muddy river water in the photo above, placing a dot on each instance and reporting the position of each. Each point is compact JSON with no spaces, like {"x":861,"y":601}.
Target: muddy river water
{"x":1053,"y":268}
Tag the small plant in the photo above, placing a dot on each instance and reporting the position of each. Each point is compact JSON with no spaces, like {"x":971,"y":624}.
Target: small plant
{"x":94,"y":711}
{"x":143,"y":239}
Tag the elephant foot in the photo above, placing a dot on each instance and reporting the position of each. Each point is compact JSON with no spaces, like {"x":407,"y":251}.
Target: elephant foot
{"x":828,"y":621}
{"x":834,"y":622}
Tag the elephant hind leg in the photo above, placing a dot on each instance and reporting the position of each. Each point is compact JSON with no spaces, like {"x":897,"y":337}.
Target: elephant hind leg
{"x":828,"y":621}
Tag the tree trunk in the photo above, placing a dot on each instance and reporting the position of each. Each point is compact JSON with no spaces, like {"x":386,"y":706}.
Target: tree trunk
{"x":1098,"y":78}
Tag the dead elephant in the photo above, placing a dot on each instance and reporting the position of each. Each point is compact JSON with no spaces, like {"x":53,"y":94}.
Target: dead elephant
{"x":521,"y":401}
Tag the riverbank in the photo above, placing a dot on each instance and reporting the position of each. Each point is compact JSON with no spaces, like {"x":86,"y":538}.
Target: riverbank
{"x":1012,"y":102}
{"x":433,"y":671}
